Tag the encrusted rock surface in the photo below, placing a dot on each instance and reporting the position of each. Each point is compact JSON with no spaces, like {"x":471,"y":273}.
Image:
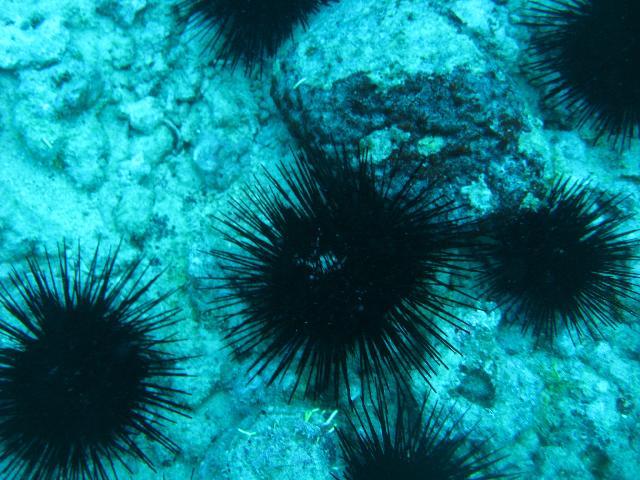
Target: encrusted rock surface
{"x":430,"y":96}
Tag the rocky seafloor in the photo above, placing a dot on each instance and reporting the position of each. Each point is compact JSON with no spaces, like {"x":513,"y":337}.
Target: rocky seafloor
{"x":115,"y":128}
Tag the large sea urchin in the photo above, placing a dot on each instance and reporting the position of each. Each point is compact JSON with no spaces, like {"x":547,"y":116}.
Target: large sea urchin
{"x":246,"y":31}
{"x":83,"y":374}
{"x":587,"y":53}
{"x":413,"y":446}
{"x":564,"y":264}
{"x":337,"y":265}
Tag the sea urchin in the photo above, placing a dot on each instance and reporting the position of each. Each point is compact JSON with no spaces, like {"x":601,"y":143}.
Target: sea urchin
{"x":337,"y":265}
{"x":587,"y":52}
{"x":82,"y":374}
{"x":564,"y":264}
{"x":246,"y":31}
{"x":413,"y":446}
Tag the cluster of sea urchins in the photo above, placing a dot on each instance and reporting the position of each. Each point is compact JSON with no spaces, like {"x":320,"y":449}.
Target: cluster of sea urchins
{"x":340,"y":266}
{"x":340,"y":271}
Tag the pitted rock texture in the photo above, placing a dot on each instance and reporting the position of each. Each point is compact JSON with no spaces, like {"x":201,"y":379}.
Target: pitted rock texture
{"x":428,"y":95}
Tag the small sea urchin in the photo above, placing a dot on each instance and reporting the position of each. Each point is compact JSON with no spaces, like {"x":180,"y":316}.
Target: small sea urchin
{"x":587,"y":53}
{"x":83,"y":374}
{"x":338,"y":266}
{"x":564,"y":264}
{"x":413,"y":446}
{"x":246,"y":31}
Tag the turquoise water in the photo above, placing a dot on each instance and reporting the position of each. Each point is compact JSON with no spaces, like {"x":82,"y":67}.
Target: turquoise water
{"x":115,"y":128}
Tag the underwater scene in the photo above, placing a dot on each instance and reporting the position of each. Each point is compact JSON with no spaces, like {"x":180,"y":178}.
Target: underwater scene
{"x":319,"y":239}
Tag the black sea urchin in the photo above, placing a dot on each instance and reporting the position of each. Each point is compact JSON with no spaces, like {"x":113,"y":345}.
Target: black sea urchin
{"x":83,"y":374}
{"x":337,"y":265}
{"x":413,"y":446}
{"x":587,"y":53}
{"x":564,"y":264}
{"x":247,"y":31}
